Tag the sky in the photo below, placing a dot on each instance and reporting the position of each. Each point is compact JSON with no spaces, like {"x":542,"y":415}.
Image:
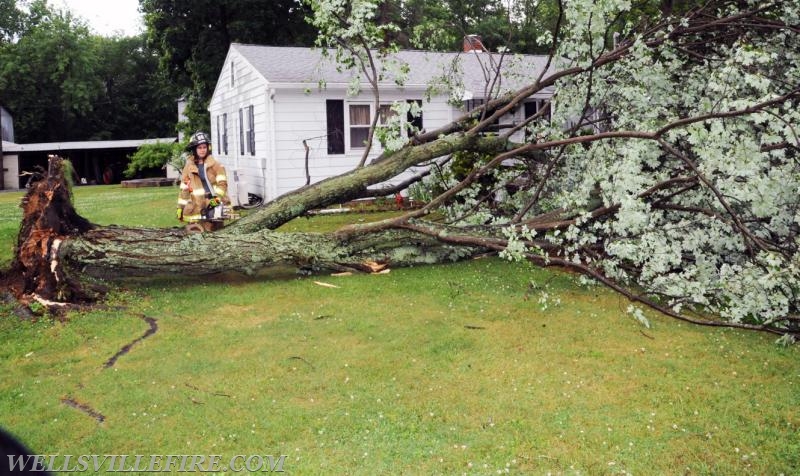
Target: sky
{"x":107,"y":17}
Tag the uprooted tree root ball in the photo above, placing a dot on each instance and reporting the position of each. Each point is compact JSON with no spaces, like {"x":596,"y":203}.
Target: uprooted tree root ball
{"x":49,"y":217}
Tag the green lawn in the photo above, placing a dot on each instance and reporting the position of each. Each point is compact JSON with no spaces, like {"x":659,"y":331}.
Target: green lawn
{"x":445,"y":369}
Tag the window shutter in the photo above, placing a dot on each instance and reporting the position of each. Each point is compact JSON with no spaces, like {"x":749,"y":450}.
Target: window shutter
{"x":548,"y":115}
{"x":225,"y":133}
{"x":241,"y":131}
{"x":415,"y":121}
{"x":335,"y":116}
{"x":251,"y":133}
{"x":530,"y":108}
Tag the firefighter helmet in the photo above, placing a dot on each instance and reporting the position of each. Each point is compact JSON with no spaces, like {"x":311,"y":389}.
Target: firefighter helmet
{"x":198,"y":138}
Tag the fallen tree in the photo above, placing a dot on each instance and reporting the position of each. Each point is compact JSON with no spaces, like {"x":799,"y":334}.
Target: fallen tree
{"x":675,"y":181}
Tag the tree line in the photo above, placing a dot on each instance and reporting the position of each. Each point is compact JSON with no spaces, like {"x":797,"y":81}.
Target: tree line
{"x":61,"y":81}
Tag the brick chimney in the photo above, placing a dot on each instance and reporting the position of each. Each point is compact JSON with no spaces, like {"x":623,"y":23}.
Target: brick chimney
{"x":473,"y":43}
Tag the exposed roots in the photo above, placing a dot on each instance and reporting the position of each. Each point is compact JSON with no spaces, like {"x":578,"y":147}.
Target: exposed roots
{"x":48,"y":218}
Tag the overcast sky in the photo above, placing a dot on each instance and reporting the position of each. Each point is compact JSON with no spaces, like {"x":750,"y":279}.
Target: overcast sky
{"x":107,"y":17}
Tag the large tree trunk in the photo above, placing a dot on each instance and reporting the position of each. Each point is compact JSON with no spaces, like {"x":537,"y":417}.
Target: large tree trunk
{"x":117,"y":252}
{"x":58,"y":249}
{"x":354,"y":184}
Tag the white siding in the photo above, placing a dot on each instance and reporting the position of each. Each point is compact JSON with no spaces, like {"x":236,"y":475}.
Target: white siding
{"x":302,"y":115}
{"x":249,"y":89}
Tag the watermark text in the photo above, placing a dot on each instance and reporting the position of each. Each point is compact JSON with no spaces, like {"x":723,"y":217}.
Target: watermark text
{"x":147,"y":463}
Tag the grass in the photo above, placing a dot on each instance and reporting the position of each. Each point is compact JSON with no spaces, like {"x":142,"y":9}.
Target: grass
{"x":432,"y":370}
{"x":10,"y":216}
{"x":103,"y":204}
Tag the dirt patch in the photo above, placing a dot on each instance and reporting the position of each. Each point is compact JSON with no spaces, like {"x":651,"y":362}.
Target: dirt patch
{"x":149,"y":182}
{"x":69,"y":401}
{"x":124,"y":350}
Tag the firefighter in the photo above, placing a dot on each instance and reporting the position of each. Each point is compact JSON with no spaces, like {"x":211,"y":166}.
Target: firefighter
{"x":204,"y":187}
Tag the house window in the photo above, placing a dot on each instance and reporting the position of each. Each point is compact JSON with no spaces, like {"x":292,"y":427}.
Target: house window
{"x":385,"y":113}
{"x":360,"y":116}
{"x":359,"y":125}
{"x":533,"y":107}
{"x":251,"y":131}
{"x":473,"y":104}
{"x":241,"y":131}
{"x":232,"y":73}
{"x":225,"y":133}
{"x":334,"y":109}
{"x":218,"y":137}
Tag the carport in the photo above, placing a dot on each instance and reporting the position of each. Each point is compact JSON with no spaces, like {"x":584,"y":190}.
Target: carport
{"x":96,"y":162}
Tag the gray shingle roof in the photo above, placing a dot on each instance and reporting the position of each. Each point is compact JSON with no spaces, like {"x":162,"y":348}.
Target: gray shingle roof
{"x":279,"y":64}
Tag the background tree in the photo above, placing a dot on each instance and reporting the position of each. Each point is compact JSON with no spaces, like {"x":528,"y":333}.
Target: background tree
{"x":10,"y":20}
{"x":517,"y":25}
{"x":192,"y":38}
{"x":137,"y":99}
{"x":61,"y":82}
{"x":48,"y":78}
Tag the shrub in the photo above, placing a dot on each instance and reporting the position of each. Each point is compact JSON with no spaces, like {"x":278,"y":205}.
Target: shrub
{"x":150,"y":156}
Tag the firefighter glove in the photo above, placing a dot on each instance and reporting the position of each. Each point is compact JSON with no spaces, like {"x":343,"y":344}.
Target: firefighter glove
{"x":214,"y":202}
{"x":180,"y":214}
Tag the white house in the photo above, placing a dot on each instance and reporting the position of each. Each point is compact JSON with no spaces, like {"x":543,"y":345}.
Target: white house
{"x":269,"y":100}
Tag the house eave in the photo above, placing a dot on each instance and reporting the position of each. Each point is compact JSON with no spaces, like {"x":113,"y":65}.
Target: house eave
{"x":13,"y":148}
{"x":335,"y":85}
{"x":366,"y":87}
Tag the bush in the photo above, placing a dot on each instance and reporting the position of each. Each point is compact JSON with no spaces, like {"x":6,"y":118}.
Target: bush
{"x":150,"y":156}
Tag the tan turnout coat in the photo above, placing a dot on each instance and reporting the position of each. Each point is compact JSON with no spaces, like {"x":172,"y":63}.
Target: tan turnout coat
{"x":192,"y":197}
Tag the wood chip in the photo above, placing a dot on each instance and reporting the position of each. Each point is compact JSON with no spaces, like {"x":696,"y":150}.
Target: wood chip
{"x":48,"y":303}
{"x":383,"y":271}
{"x":346,"y":273}
{"x":374,"y":266}
{"x":327,"y":285}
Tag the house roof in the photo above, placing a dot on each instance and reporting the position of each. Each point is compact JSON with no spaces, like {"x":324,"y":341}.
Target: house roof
{"x":293,"y":65}
{"x":11,"y":148}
